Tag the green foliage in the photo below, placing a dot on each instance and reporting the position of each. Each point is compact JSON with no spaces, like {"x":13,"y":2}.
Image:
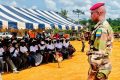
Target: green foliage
{"x":78,"y":12}
{"x":67,"y":31}
{"x":64,"y":13}
{"x":64,"y":31}
{"x":116,"y":28}
{"x":55,"y":30}
{"x":90,"y":22}
{"x":115,"y":24}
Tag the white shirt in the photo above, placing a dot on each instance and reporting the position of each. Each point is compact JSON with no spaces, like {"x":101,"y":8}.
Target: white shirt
{"x":55,"y":44}
{"x":23,"y":49}
{"x":50,"y":46}
{"x":16,"y":52}
{"x":66,"y":44}
{"x":1,"y":51}
{"x":41,"y":47}
{"x":34,"y":48}
{"x":59,"y":45}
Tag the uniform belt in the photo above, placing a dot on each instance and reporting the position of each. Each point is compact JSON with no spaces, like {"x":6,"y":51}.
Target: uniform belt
{"x":98,"y":53}
{"x":95,"y":52}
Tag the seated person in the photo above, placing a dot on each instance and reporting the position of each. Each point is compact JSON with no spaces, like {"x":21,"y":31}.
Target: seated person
{"x":71,"y":49}
{"x":1,"y":58}
{"x":42,"y":50}
{"x":66,"y":43}
{"x":35,"y":53}
{"x":24,"y":54}
{"x":42,"y":46}
{"x":15,"y":55}
{"x":7,"y":56}
{"x":59,"y":45}
{"x":50,"y":50}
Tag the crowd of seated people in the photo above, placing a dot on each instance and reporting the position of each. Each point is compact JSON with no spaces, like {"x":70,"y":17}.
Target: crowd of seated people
{"x":22,"y":53}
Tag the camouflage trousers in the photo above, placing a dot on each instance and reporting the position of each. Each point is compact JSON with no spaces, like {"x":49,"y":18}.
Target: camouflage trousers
{"x":100,"y":67}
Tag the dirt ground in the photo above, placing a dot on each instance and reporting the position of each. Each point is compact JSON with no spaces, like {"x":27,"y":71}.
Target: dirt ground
{"x":71,"y":69}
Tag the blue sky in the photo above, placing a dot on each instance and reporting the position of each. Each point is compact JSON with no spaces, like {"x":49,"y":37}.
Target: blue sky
{"x":113,"y":6}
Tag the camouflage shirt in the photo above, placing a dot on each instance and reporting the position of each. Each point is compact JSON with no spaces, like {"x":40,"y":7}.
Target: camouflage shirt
{"x":101,"y":38}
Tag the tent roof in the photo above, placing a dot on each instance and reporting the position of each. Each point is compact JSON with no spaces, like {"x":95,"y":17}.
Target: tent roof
{"x":32,"y":16}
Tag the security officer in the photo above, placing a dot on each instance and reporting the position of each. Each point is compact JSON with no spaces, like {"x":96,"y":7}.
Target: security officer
{"x":100,"y":45}
{"x":83,"y":41}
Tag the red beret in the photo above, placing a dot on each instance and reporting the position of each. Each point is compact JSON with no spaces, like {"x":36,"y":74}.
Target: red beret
{"x":96,"y":6}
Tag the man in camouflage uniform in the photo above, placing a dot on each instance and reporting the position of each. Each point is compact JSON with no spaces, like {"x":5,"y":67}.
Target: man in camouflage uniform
{"x":100,"y":45}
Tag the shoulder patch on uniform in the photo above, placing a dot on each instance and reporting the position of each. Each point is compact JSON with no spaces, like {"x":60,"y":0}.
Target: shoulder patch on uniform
{"x":98,"y":33}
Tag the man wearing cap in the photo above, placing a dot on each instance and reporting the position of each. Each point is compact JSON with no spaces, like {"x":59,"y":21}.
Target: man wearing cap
{"x":100,"y":44}
{"x":24,"y":55}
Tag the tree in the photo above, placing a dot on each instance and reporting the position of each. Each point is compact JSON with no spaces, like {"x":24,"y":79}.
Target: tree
{"x":63,"y":13}
{"x":78,"y":12}
{"x":115,"y":24}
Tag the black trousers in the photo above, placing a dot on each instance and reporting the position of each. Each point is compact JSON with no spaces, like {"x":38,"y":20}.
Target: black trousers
{"x":83,"y":46}
{"x":17,"y":61}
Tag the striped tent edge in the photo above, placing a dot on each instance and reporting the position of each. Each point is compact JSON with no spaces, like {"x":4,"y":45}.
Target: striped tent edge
{"x":24,"y":25}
